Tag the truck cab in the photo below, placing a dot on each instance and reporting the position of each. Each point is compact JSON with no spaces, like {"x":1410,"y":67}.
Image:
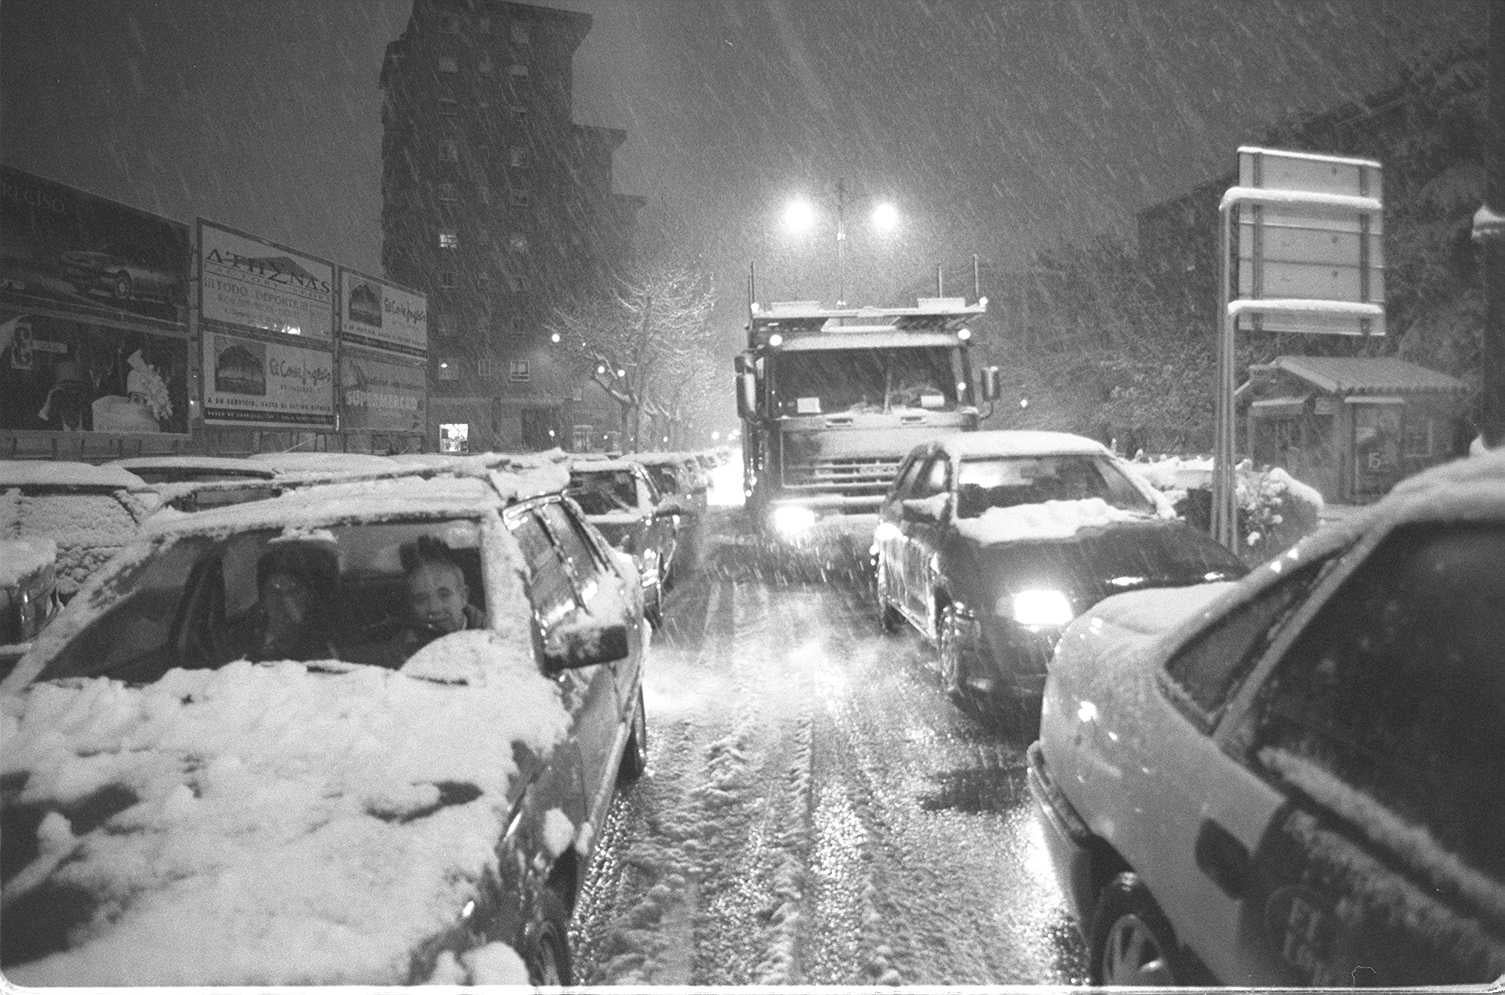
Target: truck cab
{"x":832,"y":399}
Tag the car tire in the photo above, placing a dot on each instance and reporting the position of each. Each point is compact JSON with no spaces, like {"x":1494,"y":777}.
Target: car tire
{"x":635,"y":756}
{"x":948,"y":655}
{"x":1131,"y":942}
{"x":548,"y":959}
{"x":889,"y":619}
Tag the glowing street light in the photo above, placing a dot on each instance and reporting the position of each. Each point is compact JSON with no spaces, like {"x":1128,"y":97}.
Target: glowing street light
{"x":800,"y":217}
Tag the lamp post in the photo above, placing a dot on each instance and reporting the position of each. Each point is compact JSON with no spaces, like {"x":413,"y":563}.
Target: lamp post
{"x":800,"y":216}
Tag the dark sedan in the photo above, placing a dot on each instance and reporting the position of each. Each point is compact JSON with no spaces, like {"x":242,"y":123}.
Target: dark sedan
{"x":989,"y":543}
{"x":621,"y":500}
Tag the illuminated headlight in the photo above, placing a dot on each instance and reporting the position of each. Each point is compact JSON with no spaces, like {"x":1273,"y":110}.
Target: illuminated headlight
{"x":792,"y":520}
{"x":885,"y":532}
{"x":1037,"y":608}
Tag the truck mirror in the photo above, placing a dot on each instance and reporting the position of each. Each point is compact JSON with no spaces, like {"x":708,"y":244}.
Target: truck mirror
{"x":747,"y":394}
{"x":991,"y":388}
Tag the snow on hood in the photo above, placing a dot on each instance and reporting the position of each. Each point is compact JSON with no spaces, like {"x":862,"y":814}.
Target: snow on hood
{"x":66,"y":473}
{"x":1046,"y":520}
{"x":19,"y":557}
{"x":290,"y":826}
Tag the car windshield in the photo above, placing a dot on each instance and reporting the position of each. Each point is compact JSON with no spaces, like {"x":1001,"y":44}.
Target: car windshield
{"x":1003,"y":482}
{"x":861,"y":381}
{"x":202,"y":601}
{"x":1095,"y":563}
{"x":604,"y":492}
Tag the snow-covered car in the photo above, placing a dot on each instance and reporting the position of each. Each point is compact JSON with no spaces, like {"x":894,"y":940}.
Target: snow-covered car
{"x":194,"y":469}
{"x":1297,"y":778}
{"x":989,"y":543}
{"x":89,"y":511}
{"x":620,"y":499}
{"x":28,"y":594}
{"x":393,"y":803}
{"x":680,"y":475}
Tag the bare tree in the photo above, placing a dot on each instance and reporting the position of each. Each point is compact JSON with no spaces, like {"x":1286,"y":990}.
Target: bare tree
{"x":636,"y":338}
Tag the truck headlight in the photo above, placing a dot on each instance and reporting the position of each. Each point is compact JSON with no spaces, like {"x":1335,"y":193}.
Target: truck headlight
{"x":791,"y":520}
{"x":1037,"y":607}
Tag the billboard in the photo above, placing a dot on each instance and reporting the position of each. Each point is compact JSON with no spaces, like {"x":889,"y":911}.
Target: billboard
{"x":276,"y":383}
{"x":381,"y":315}
{"x":67,"y":252}
{"x":71,"y":375}
{"x":250,"y":284}
{"x":380,"y":393}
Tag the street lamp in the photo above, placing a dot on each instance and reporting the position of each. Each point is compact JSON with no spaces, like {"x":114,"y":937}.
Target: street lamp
{"x":801,"y":216}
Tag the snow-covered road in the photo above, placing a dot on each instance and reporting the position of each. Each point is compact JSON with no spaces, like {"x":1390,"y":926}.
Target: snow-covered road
{"x":816,"y":811}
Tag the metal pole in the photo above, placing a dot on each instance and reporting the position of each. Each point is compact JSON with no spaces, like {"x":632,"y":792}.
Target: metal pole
{"x":1492,"y":243}
{"x":1224,"y":523}
{"x":841,"y":243}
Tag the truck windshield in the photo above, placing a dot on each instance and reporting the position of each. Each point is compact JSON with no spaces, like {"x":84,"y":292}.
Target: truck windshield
{"x":861,"y":381}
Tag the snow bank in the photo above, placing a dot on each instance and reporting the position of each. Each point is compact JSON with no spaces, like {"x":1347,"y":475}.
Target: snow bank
{"x":282,"y":825}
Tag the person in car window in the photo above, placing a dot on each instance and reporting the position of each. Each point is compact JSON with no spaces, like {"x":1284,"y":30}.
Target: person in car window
{"x":295,"y":585}
{"x":438,"y":599}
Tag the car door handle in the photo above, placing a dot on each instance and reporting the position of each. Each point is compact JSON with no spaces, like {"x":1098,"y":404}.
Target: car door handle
{"x":1222,"y":858}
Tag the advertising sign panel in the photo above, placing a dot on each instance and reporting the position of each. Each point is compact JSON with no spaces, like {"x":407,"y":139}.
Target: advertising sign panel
{"x":378,"y":314}
{"x":381,"y":393}
{"x":248,"y":283}
{"x":69,"y":375}
{"x":250,"y":381}
{"x":67,"y":252}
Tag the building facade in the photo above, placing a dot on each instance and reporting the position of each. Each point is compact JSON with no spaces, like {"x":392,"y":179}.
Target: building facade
{"x":497,"y":206}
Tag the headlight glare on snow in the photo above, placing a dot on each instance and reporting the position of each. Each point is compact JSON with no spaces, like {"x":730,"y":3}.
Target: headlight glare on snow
{"x":1037,"y":607}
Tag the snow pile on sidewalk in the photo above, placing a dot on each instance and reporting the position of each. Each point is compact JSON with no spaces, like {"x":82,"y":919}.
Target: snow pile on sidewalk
{"x":1274,"y":508}
{"x":266,"y":824}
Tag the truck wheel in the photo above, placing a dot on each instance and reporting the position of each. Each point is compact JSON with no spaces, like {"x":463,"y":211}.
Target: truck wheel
{"x":1131,"y":942}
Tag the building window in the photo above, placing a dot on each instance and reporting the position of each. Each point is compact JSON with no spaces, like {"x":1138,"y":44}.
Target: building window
{"x":448,"y":369}
{"x":483,"y":24}
{"x":447,"y":279}
{"x":448,"y":107}
{"x":517,"y":242}
{"x":483,"y":193}
{"x":444,"y":324}
{"x":520,"y":112}
{"x":519,"y":157}
{"x":519,"y":198}
{"x":515,"y":283}
{"x":520,"y":33}
{"x":518,"y":372}
{"x":485,"y":66}
{"x":578,"y":394}
{"x":449,"y":239}
{"x":519,"y":72}
{"x":445,"y":192}
{"x":449,"y":150}
{"x":449,"y":64}
{"x":450,"y":24}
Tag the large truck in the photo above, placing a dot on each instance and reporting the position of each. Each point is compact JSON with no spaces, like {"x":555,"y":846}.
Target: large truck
{"x":832,"y":399}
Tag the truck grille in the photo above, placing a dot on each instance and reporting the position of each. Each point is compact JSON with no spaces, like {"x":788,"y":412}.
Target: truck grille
{"x":862,"y":475}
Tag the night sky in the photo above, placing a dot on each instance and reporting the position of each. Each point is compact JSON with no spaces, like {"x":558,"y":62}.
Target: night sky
{"x":997,"y":127}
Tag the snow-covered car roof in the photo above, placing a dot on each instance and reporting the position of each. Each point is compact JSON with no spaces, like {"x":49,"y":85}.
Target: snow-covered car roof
{"x":232,"y":465}
{"x":67,"y":474}
{"x":301,"y":462}
{"x":382,"y":498}
{"x":605,"y":465}
{"x":1019,"y":442}
{"x":661,"y":459}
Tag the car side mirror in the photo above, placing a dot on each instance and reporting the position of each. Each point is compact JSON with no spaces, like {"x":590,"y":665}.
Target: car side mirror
{"x":585,"y":646}
{"x":747,"y":394}
{"x":992,"y":387}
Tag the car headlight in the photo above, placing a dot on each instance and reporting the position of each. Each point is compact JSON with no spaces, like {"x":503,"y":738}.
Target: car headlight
{"x":886,"y":531}
{"x":790,"y":520}
{"x":1037,"y":607}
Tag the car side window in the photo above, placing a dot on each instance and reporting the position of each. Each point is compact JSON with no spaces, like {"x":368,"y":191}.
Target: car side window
{"x":1206,"y":669}
{"x":934,"y":478}
{"x":1394,"y":696}
{"x":553,"y":594}
{"x":579,"y":556}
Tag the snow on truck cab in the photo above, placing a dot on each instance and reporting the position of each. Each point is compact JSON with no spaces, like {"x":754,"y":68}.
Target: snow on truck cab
{"x":832,"y":399}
